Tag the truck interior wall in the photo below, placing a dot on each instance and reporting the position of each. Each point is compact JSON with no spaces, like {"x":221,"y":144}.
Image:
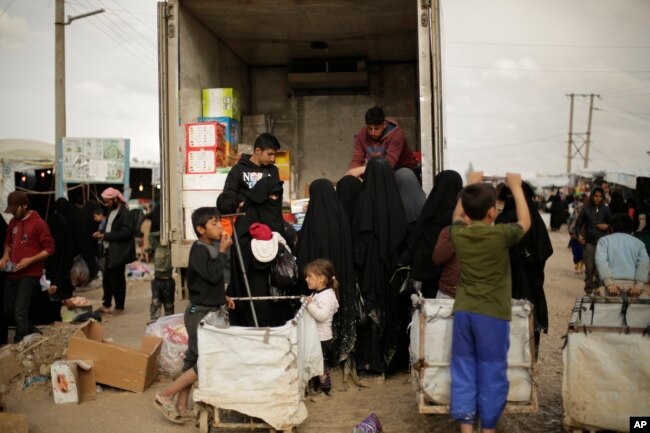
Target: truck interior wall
{"x":205,"y":62}
{"x":319,"y":130}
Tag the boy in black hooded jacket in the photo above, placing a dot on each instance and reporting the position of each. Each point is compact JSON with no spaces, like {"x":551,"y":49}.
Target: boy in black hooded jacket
{"x":251,"y":168}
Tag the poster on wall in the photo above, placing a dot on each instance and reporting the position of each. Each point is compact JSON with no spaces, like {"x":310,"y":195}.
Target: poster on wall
{"x":95,"y":160}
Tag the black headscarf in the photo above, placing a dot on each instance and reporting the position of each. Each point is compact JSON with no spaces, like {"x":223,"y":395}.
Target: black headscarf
{"x":348,"y":189}
{"x":326,"y":234}
{"x":410,"y":191}
{"x":259,"y":207}
{"x":617,"y":204}
{"x":528,"y":257}
{"x":57,"y":266}
{"x":436,"y":215}
{"x":380,"y":233}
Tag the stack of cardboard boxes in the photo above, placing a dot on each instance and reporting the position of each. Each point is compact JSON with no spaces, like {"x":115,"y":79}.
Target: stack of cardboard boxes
{"x":222,"y":106}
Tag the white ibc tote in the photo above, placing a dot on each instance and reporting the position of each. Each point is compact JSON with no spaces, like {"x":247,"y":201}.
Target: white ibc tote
{"x":606,"y":377}
{"x":430,"y":349}
{"x":259,"y":372}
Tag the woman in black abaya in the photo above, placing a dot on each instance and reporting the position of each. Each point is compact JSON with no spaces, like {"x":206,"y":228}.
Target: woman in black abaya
{"x":263,"y":204}
{"x":380,"y":231}
{"x":326,"y":234}
{"x":436,"y":215}
{"x":558,"y":212}
{"x":348,"y":189}
{"x":528,"y":258}
{"x":45,"y":308}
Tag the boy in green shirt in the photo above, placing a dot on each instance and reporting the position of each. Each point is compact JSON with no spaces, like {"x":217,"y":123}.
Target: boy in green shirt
{"x":481,"y":332}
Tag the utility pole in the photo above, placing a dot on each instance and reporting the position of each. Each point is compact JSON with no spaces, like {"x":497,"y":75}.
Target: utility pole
{"x":59,"y":85}
{"x":59,"y":75}
{"x":579,"y":143}
{"x":570,"y":142}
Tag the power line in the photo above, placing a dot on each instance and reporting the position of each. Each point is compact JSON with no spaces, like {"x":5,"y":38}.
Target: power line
{"x":626,"y":91}
{"x":115,"y":28}
{"x":605,"y":156}
{"x":111,"y":26}
{"x":6,"y":8}
{"x":582,"y":71}
{"x":629,"y":113}
{"x":123,"y":46}
{"x":620,"y":87}
{"x":630,"y":95}
{"x":135,"y":30}
{"x":515,"y":44}
{"x":121,"y":10}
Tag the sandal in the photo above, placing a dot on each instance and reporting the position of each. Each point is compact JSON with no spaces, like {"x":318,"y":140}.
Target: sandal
{"x":186,"y":415}
{"x":168,"y":408}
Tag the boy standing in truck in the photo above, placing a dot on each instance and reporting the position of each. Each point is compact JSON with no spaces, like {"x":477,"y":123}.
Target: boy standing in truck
{"x":384,"y":138}
{"x":251,"y":168}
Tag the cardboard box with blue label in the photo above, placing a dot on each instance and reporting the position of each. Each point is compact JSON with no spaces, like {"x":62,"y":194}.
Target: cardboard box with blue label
{"x":232,"y":135}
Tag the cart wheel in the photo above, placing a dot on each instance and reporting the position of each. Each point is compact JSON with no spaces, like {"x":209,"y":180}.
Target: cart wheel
{"x":203,"y":421}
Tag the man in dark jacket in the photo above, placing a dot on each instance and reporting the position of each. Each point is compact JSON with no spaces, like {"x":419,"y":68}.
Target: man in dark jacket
{"x":251,"y":168}
{"x":592,"y":224}
{"x":384,"y":138}
{"x":119,"y":249}
{"x":27,"y":244}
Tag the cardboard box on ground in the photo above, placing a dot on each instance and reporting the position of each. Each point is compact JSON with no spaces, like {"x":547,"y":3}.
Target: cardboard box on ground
{"x":132,"y":369}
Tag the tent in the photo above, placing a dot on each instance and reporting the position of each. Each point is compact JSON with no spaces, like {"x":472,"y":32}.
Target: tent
{"x":17,"y":155}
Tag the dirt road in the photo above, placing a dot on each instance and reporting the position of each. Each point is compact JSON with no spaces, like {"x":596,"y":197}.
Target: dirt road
{"x":392,"y":400}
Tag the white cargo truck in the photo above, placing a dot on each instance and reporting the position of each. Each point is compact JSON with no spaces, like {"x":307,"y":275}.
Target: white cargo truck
{"x":313,"y":68}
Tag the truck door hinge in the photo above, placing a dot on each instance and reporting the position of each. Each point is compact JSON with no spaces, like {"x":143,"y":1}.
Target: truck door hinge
{"x":170,"y":31}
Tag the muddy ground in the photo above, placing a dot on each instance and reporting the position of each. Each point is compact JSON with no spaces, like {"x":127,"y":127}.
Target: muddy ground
{"x":393,"y":400}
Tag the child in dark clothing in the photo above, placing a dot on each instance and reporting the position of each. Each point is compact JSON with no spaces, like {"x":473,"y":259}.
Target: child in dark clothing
{"x":205,"y":281}
{"x":482,"y":309}
{"x":163,"y":286}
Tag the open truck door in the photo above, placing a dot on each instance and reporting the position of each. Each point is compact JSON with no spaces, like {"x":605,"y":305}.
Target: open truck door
{"x":313,"y":68}
{"x":431,"y":89}
{"x":170,"y":194}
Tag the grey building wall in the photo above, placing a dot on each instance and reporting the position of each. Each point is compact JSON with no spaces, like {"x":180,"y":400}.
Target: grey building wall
{"x":320,"y":130}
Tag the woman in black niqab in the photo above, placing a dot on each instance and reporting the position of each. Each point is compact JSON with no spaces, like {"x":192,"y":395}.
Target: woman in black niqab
{"x":263,"y":204}
{"x":436,"y":215}
{"x":46,"y":308}
{"x":528,"y":258}
{"x":379,"y":232}
{"x":326,"y":234}
{"x":348,"y":189}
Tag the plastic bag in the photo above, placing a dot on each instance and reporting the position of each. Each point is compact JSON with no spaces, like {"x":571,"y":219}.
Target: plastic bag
{"x":79,"y":273}
{"x":219,"y":318}
{"x":174,"y":335}
{"x":284,"y":271}
{"x":368,"y":425}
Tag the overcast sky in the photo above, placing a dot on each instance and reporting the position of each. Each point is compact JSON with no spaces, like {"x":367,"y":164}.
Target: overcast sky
{"x":508,"y":67}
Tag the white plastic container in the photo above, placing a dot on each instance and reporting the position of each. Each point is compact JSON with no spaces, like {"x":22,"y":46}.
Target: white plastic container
{"x":430,"y":349}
